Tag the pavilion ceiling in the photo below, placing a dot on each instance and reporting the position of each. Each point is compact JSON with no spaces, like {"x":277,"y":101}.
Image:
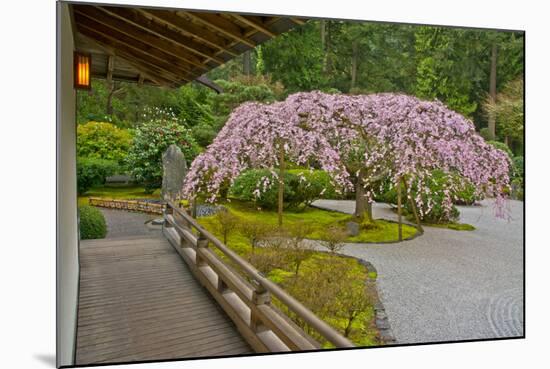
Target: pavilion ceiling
{"x":167,"y":47}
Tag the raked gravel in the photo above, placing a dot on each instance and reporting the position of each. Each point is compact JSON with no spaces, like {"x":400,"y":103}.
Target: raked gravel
{"x":450,"y":285}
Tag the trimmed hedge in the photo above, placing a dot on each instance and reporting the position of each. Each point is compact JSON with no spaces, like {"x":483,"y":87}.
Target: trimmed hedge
{"x":302,"y":187}
{"x":92,"y":223}
{"x":93,"y":172}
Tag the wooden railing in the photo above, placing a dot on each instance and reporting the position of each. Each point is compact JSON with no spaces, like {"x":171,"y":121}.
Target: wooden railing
{"x":246,"y":296}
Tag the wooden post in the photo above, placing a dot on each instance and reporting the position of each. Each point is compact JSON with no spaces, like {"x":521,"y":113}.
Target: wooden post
{"x":194,"y":208}
{"x":281,"y":182}
{"x":259,"y":297}
{"x":413,"y":206}
{"x":202,"y":243}
{"x":400,"y":225}
{"x":167,"y":211}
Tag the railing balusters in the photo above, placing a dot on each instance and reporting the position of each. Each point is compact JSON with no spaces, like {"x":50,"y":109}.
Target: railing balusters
{"x":263,"y":316}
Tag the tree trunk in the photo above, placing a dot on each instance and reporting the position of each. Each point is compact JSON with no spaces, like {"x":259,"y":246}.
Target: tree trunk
{"x":327,"y":61}
{"x":413,"y":207}
{"x":246,"y":63}
{"x":354,"y":63}
{"x":399,"y":210}
{"x":109,"y":107}
{"x":360,"y":201}
{"x":493,"y":91}
{"x":322,"y":24}
{"x":362,"y":206}
{"x":281,"y":183}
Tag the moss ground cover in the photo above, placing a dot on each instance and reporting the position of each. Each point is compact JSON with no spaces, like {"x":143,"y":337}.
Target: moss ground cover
{"x":332,"y":286}
{"x":454,"y":226}
{"x":383,"y":231}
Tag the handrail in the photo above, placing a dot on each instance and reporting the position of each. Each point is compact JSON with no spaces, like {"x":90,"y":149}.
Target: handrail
{"x":329,"y":333}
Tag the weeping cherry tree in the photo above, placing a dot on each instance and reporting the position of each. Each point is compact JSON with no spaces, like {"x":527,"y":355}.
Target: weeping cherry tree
{"x":361,"y":137}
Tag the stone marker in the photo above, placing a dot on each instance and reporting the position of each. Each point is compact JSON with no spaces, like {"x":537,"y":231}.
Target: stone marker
{"x":174,"y":170}
{"x":353,"y":228}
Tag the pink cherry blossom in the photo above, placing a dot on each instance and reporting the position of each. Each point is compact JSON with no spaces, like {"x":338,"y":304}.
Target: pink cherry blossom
{"x":406,"y":137}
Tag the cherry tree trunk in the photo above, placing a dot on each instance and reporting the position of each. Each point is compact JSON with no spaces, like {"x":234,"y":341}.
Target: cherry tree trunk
{"x":280,"y":198}
{"x":399,"y":211}
{"x":362,"y":206}
{"x":413,"y":207}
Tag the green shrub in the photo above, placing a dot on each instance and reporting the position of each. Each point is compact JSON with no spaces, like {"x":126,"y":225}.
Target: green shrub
{"x":150,"y":141}
{"x":204,"y":134}
{"x":436,"y":185}
{"x":484,"y":132}
{"x":301,"y":187}
{"x":92,"y":223}
{"x":518,"y":162}
{"x":313,"y":185}
{"x":502,"y":146}
{"x":93,"y":172}
{"x":518,"y":178}
{"x":102,"y":140}
{"x":240,"y":90}
{"x":245,"y":185}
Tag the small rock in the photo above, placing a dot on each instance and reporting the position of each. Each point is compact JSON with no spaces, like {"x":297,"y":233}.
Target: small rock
{"x":386,"y":336}
{"x":382,"y":324}
{"x":381,"y":314}
{"x":352,"y":228}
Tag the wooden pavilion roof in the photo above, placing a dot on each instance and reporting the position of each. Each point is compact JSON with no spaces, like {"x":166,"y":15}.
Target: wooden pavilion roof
{"x":167,"y":47}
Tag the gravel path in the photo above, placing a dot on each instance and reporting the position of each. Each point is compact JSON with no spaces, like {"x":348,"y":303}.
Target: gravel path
{"x":122,"y":223}
{"x":450,"y":285}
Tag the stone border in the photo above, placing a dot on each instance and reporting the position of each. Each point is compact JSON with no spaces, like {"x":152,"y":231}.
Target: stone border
{"x":381,"y":320}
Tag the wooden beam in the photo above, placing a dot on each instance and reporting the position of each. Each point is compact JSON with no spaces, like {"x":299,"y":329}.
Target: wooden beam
{"x":298,"y":21}
{"x":119,"y":39}
{"x":138,"y":66}
{"x":134,"y":35}
{"x":189,"y":28}
{"x":131,"y":55}
{"x":139,"y":20}
{"x":221,"y":25}
{"x":203,"y":80}
{"x":254,"y":24}
{"x":251,"y":32}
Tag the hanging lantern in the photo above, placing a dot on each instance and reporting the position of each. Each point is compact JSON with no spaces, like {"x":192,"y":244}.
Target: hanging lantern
{"x":82,"y":65}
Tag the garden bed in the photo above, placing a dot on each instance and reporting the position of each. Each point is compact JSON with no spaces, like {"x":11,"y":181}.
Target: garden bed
{"x":320,"y":219}
{"x":330,"y":285}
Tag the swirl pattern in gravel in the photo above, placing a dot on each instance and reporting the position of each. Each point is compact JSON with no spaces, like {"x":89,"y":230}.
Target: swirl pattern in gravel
{"x":450,"y":285}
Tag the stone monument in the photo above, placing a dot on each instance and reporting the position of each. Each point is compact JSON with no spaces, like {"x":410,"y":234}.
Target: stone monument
{"x":174,"y":169}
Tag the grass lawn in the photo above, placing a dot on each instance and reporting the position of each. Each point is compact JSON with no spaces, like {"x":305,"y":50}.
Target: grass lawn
{"x":121,"y":192}
{"x":320,"y":219}
{"x":454,"y":226}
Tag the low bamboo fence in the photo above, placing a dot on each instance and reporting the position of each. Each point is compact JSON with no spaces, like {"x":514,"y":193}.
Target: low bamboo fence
{"x":128,"y":205}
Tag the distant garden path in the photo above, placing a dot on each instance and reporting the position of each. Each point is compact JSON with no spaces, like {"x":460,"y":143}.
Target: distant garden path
{"x":450,"y":285}
{"x":122,"y":223}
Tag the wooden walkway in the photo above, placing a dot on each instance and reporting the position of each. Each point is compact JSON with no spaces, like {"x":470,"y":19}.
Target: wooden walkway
{"x":139,"y":301}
